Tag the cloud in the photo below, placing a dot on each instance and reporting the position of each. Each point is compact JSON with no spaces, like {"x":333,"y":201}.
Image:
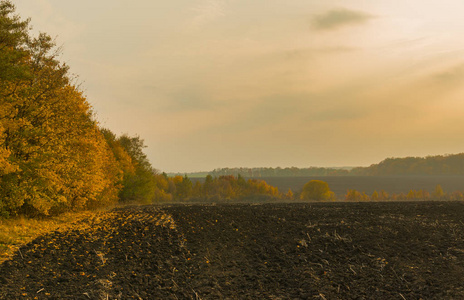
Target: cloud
{"x":450,"y":76}
{"x":191,"y":99}
{"x":337,"y":18}
{"x":306,"y":53}
{"x":208,"y":12}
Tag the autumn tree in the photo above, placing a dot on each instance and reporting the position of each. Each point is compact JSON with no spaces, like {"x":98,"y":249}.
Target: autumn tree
{"x":383,"y":195}
{"x":162,"y":188}
{"x":289,"y":195}
{"x":260,"y":187}
{"x":411,"y":195}
{"x":365,"y":197}
{"x":457,"y":196}
{"x":317,"y":190}
{"x":53,"y":157}
{"x":122,"y":157}
{"x":13,"y":40}
{"x":438,"y":193}
{"x":226,"y":187}
{"x":353,"y":195}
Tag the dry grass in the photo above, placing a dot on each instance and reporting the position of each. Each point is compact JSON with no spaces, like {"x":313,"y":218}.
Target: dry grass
{"x":19,"y":231}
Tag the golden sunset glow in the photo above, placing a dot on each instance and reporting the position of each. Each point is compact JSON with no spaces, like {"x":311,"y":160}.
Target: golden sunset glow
{"x":231,"y":83}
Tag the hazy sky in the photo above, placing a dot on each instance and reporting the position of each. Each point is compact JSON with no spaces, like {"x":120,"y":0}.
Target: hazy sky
{"x":231,"y":83}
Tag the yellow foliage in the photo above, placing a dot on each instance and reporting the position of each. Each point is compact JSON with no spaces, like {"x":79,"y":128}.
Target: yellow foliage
{"x":53,"y":156}
{"x":438,"y":193}
{"x":289,"y":194}
{"x":353,"y":195}
{"x":317,"y":190}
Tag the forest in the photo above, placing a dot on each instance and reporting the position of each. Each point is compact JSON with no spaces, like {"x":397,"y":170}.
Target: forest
{"x":447,"y":165}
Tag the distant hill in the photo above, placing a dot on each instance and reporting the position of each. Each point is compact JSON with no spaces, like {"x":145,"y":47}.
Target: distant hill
{"x":271,"y":172}
{"x":451,"y":164}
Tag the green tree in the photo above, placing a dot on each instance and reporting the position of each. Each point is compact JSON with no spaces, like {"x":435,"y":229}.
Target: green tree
{"x":208,"y":186}
{"x":317,"y":190}
{"x":184,"y":188}
{"x":139,"y":186}
{"x":13,"y":47}
{"x":241,"y":181}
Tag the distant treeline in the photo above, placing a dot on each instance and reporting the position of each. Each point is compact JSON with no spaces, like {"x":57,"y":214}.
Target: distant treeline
{"x":451,"y":165}
{"x":413,"y":195}
{"x":281,"y":172}
{"x":216,"y":189}
{"x":317,"y":190}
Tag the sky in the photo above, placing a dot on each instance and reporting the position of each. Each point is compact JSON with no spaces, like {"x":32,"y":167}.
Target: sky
{"x":265,"y":83}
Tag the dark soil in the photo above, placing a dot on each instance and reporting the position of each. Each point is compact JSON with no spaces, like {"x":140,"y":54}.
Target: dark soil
{"x":269,"y":251}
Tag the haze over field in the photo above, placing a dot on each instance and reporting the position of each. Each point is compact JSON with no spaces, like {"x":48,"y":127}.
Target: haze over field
{"x":220,"y":83}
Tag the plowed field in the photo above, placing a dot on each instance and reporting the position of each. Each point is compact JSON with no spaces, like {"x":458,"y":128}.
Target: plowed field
{"x":268,"y":251}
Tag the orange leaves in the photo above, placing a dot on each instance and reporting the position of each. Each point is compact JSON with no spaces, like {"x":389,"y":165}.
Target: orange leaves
{"x":260,"y":187}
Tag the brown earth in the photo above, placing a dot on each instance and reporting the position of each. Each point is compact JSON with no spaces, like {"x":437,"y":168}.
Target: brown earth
{"x":242,"y":251}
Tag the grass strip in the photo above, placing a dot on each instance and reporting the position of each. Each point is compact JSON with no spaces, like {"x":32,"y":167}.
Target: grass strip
{"x":18,"y":231}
